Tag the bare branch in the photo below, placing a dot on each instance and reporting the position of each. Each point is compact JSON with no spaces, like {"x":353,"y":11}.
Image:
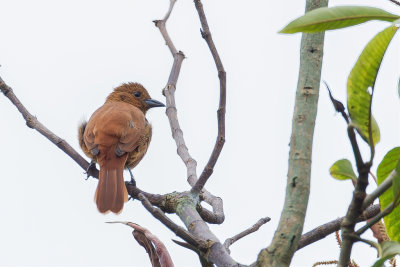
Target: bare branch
{"x":228,"y":242}
{"x":326,"y":229}
{"x":161,"y":25}
{"x":169,"y":92}
{"x":217,"y":215}
{"x":209,"y":168}
{"x":178,"y":230}
{"x":203,"y":260}
{"x":395,"y":2}
{"x":32,"y":122}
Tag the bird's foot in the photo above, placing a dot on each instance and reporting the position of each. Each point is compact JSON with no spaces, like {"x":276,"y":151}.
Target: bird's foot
{"x":90,"y":169}
{"x":132,"y":181}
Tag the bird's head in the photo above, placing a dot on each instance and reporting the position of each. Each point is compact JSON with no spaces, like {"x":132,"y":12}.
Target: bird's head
{"x":134,"y":94}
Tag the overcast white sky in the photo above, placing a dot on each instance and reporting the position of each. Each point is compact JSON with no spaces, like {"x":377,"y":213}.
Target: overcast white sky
{"x":62,"y":58}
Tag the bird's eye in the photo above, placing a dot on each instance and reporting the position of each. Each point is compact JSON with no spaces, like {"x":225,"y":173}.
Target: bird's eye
{"x":137,"y":94}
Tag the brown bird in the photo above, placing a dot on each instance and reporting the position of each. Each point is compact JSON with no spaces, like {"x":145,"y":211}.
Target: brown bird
{"x":117,"y":136}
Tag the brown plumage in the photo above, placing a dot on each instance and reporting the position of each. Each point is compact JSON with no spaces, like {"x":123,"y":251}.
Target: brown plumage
{"x":117,"y":136}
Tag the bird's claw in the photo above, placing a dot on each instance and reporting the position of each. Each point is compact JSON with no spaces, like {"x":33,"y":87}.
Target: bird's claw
{"x":90,"y":169}
{"x":132,"y":181}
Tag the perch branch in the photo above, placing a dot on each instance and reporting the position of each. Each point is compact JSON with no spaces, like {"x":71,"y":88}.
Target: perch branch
{"x":32,"y":122}
{"x":209,"y":168}
{"x":228,"y":242}
{"x":133,"y":191}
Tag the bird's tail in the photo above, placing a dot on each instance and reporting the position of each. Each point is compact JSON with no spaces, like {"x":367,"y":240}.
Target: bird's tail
{"x":111,"y":193}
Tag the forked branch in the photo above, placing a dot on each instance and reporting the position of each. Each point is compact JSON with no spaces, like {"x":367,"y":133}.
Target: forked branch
{"x":217,"y":215}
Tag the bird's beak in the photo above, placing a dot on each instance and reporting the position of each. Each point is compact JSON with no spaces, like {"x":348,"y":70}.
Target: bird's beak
{"x":154,"y":103}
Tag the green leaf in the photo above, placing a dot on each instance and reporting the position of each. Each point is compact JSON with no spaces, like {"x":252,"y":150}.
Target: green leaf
{"x":361,"y":82}
{"x":342,"y":170}
{"x":387,"y":250}
{"x":396,"y":184}
{"x":331,"y":18}
{"x":389,"y":163}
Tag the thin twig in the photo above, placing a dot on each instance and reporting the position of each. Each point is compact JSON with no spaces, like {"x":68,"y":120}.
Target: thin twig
{"x":373,"y":177}
{"x":209,"y":168}
{"x":395,"y":2}
{"x":382,"y":188}
{"x":160,"y":24}
{"x":326,"y":229}
{"x":228,"y":242}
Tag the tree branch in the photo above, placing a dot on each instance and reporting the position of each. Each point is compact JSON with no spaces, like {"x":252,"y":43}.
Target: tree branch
{"x":353,"y":212}
{"x":217,"y":215}
{"x":179,"y":231}
{"x":395,"y":2}
{"x":326,"y":229}
{"x":32,"y":122}
{"x":209,"y":168}
{"x":385,"y":185}
{"x":228,"y":242}
{"x":287,"y":236}
{"x":186,"y":203}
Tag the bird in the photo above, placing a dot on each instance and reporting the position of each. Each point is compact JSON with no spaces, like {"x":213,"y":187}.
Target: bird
{"x":117,"y":136}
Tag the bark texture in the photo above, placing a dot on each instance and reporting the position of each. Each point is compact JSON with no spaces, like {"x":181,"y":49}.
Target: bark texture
{"x":287,"y":236}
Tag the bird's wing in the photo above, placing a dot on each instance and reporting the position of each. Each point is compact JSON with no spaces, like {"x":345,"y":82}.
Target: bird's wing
{"x":115,"y":123}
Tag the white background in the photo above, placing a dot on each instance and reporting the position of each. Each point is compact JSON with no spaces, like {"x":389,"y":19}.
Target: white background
{"x":62,"y":58}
